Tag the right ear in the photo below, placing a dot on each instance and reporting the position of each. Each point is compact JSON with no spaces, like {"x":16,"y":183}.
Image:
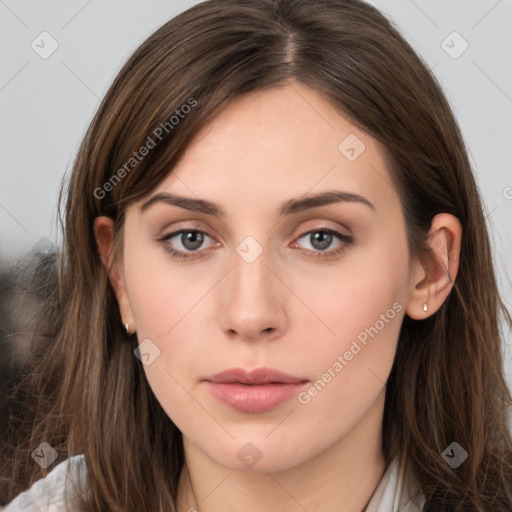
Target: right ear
{"x":104,"y":234}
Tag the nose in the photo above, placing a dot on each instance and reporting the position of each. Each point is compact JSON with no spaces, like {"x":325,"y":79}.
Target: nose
{"x":253,"y":301}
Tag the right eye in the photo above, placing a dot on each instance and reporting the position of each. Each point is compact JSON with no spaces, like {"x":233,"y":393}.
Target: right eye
{"x":189,"y":239}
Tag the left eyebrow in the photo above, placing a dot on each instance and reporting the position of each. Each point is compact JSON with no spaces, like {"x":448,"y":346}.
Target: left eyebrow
{"x":321,"y":199}
{"x":290,"y":207}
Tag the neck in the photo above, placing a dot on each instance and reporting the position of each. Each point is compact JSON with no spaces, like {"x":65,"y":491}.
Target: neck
{"x":341,"y":478}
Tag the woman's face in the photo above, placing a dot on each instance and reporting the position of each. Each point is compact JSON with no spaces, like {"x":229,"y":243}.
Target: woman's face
{"x":270,"y":278}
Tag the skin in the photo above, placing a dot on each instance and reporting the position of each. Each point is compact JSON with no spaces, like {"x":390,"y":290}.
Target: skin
{"x":289,"y":309}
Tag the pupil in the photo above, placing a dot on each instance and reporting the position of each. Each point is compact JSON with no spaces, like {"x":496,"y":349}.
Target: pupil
{"x":320,"y":240}
{"x":192,"y":239}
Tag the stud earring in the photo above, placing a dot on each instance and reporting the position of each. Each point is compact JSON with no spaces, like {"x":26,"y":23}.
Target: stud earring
{"x":127,"y":328}
{"x":425,"y":306}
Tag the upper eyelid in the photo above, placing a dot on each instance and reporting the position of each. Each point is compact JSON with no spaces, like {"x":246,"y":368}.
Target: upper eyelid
{"x":306,"y":230}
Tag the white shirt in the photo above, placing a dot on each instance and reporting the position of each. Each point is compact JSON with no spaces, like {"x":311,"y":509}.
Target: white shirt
{"x":48,"y":494}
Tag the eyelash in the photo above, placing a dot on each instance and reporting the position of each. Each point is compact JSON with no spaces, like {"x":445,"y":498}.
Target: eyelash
{"x":347,"y":240}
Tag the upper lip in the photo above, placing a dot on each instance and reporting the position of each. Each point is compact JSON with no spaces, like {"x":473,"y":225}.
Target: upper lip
{"x":255,"y":376}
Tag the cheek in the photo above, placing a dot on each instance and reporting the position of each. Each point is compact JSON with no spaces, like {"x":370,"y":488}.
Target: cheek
{"x":361,"y":308}
{"x":365,"y":289}
{"x":169,"y":304}
{"x":166,"y":301}
{"x":162,"y":293}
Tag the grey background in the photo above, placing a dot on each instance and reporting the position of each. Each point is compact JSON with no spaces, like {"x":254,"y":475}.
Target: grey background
{"x":46,"y":104}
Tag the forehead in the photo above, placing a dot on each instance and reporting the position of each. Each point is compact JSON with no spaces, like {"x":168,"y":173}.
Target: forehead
{"x":280,"y":142}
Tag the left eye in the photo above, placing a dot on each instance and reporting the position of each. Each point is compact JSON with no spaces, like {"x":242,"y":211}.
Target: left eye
{"x":322,"y":239}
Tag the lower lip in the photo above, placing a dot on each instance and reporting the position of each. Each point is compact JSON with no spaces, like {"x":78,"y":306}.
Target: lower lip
{"x":254,"y":398}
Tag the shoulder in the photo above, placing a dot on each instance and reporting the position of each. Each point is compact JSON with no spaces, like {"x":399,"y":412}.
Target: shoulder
{"x":57,"y":492}
{"x":395,"y":492}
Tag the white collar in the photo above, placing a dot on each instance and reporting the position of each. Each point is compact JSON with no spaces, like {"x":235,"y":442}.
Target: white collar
{"x":394,"y":492}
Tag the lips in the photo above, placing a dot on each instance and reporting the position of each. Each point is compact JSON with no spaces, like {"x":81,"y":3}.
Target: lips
{"x":258,"y":390}
{"x":256,"y":376}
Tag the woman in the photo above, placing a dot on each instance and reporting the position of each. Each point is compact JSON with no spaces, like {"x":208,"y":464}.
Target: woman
{"x":276,"y":290}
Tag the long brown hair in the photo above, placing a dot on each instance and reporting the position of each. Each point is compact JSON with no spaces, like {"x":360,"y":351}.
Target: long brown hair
{"x":86,"y":391}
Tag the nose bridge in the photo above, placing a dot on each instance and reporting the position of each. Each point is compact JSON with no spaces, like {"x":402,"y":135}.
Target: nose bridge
{"x":252,"y":305}
{"x":250,"y":266}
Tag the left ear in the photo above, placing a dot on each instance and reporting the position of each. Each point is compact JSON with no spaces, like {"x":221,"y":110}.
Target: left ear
{"x":433,"y":280}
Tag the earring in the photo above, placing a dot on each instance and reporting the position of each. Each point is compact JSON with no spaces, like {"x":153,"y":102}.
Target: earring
{"x":425,"y":306}
{"x":127,"y":328}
